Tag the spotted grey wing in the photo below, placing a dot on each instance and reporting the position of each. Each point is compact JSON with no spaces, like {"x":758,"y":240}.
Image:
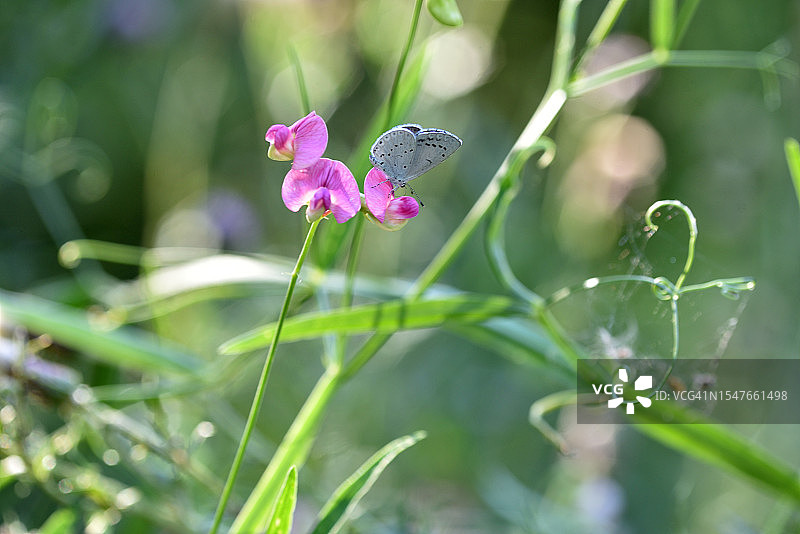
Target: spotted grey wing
{"x":413,"y":128}
{"x":433,"y":147}
{"x":393,"y":153}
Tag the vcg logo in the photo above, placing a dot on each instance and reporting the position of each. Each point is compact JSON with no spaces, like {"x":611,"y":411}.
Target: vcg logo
{"x":616,"y":390}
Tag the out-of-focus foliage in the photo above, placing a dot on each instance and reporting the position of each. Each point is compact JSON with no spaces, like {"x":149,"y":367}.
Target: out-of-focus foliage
{"x":141,"y":123}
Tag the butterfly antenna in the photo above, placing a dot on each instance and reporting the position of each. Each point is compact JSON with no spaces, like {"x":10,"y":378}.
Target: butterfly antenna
{"x":383,"y":182}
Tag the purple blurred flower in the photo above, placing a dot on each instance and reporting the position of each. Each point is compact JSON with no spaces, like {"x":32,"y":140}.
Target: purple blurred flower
{"x":393,"y":213}
{"x":326,"y":187}
{"x":234,"y":217}
{"x":304,"y":141}
{"x":137,"y":20}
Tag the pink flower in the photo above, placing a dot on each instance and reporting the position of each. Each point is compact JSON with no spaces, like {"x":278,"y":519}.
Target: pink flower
{"x":326,"y":186}
{"x":393,"y":213}
{"x":304,"y":141}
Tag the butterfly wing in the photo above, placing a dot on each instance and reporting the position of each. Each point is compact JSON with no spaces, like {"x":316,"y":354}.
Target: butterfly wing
{"x":433,"y":146}
{"x":393,"y":153}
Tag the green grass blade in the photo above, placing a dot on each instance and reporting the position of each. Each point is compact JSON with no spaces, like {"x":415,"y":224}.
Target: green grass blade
{"x":520,"y":340}
{"x":339,"y":508}
{"x":685,"y":15}
{"x":126,"y":346}
{"x":601,"y":30}
{"x":718,"y":445}
{"x":293,"y":450}
{"x":381,"y":317}
{"x":305,"y":102}
{"x":792,"y":149}
{"x":281,"y":520}
{"x":662,"y":24}
{"x":59,"y":522}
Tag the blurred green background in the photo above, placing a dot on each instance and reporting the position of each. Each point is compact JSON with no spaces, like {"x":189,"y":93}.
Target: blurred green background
{"x":141,"y":122}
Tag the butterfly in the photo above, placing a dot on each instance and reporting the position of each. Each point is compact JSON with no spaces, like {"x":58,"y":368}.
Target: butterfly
{"x":409,"y":150}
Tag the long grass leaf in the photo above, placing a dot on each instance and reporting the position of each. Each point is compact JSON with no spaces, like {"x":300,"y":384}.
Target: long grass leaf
{"x":124,"y":346}
{"x":293,"y":450}
{"x":792,"y":149}
{"x":339,"y":508}
{"x":381,"y":317}
{"x":281,"y":520}
{"x":714,"y":443}
{"x":59,"y":522}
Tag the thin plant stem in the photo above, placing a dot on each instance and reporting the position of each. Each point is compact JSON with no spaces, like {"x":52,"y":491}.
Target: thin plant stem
{"x":685,"y":15}
{"x":347,"y":294}
{"x":662,"y":24}
{"x":732,"y":59}
{"x":401,"y":65}
{"x":292,"y":451}
{"x":262,"y":383}
{"x":600,"y":31}
{"x":301,"y":81}
{"x":539,"y":123}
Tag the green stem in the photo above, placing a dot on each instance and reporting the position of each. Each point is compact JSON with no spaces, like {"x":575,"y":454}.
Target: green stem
{"x":292,"y":451}
{"x":347,"y":294}
{"x":494,"y":237}
{"x":301,"y":81}
{"x":262,"y":383}
{"x":401,"y":65}
{"x":545,"y":405}
{"x":662,"y":24}
{"x":601,"y":30}
{"x":761,"y":61}
{"x":685,"y":15}
{"x":539,"y":123}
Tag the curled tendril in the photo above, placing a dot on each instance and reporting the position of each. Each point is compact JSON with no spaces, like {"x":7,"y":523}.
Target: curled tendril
{"x":691,"y":221}
{"x":663,"y":289}
{"x":495,"y":232}
{"x":731,"y":288}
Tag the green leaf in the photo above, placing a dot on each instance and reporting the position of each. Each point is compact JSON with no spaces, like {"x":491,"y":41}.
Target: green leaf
{"x":714,"y":443}
{"x":281,"y":520}
{"x":521,"y":341}
{"x":446,"y":12}
{"x":293,"y":450}
{"x":792,"y":149}
{"x":123,"y":346}
{"x":59,"y":522}
{"x":340,"y":506}
{"x":381,"y":317}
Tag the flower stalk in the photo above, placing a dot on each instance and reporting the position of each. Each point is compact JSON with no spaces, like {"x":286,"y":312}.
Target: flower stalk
{"x":262,"y":382}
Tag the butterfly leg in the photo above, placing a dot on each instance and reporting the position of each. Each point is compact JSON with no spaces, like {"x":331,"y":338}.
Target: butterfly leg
{"x":414,"y":193}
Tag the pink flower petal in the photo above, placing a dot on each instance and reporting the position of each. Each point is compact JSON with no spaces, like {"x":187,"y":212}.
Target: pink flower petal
{"x":311,"y":138}
{"x":377,"y":192}
{"x":304,"y":186}
{"x":298,"y":188}
{"x":320,"y":203}
{"x":345,"y":196}
{"x":401,"y":208}
{"x":280,"y":143}
{"x":278,"y":134}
